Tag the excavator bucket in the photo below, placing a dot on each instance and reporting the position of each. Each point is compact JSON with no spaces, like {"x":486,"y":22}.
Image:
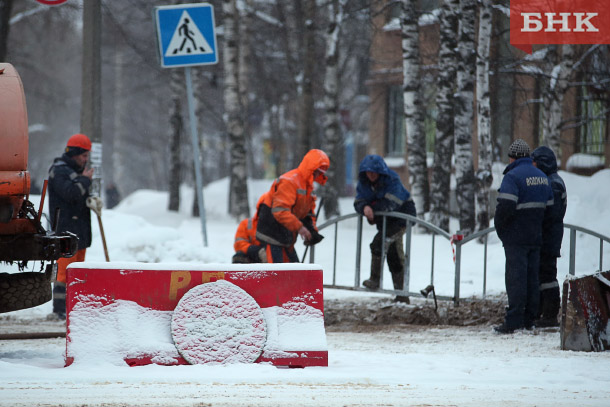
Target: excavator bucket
{"x":584,"y":313}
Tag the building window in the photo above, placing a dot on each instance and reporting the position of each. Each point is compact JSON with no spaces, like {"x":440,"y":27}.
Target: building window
{"x":592,"y":123}
{"x":395,"y":136}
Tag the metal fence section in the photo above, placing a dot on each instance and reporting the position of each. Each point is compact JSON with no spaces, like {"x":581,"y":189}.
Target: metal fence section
{"x":456,"y":240}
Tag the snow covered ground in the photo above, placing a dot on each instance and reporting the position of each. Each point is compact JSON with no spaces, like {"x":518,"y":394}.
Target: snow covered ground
{"x":385,"y":366}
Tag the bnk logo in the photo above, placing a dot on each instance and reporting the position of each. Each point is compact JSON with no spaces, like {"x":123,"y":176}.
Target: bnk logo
{"x":559,"y":22}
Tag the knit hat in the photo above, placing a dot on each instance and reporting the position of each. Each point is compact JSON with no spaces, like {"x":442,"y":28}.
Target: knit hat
{"x":74,"y":151}
{"x":519,"y":149}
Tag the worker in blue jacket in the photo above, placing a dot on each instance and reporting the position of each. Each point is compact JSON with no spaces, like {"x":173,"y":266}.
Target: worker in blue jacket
{"x":552,"y":236}
{"x":380,"y":189}
{"x":523,"y":198}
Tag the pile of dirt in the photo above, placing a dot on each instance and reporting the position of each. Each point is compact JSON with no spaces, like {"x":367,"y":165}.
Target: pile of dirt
{"x":346,"y":313}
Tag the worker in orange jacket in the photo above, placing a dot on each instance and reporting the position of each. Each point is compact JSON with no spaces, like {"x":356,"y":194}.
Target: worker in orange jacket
{"x":247,"y":248}
{"x":287,"y":210}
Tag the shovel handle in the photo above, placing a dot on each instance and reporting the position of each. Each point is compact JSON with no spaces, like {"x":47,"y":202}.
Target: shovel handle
{"x":99,"y":221}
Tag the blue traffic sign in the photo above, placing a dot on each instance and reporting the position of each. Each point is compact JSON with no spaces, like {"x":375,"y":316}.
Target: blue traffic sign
{"x":186,"y":35}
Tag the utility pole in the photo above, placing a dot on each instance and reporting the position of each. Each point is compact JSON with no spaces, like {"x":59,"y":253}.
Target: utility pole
{"x":91,"y":96}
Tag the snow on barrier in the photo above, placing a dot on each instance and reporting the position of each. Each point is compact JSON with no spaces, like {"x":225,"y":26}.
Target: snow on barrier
{"x":170,"y":314}
{"x":585,"y":313}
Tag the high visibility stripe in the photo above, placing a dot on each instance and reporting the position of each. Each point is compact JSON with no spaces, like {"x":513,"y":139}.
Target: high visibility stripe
{"x":249,"y":223}
{"x":301,"y":191}
{"x":83,"y":191}
{"x":279,"y":209}
{"x":268,"y":239}
{"x":510,"y":197}
{"x":547,"y":286}
{"x":73,"y":175}
{"x":531,"y":205}
{"x":393,"y":198}
{"x":550,"y":202}
{"x":239,"y":239}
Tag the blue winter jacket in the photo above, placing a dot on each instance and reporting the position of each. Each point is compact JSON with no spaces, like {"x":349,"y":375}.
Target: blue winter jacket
{"x":523,"y":199}
{"x":552,"y":227}
{"x":386,"y":194}
{"x":68,"y":191}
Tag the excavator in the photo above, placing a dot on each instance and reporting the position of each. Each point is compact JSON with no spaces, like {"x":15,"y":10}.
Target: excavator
{"x":23,"y":239}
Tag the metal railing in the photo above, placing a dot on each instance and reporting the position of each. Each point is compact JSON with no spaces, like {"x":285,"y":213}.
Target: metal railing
{"x":458,"y":240}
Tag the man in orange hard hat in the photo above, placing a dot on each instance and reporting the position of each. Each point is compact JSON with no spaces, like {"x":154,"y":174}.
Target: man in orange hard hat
{"x":69,"y":182}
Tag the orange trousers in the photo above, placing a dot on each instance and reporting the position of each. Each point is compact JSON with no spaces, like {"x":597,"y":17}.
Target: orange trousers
{"x":63,"y":262}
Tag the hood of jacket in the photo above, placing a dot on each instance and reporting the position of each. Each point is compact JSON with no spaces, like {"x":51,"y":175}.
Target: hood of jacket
{"x":374,"y":163}
{"x":313,"y":160}
{"x":545,"y":160}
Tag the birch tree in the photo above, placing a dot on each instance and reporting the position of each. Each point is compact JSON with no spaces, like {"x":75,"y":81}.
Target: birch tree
{"x":176,"y":130}
{"x":443,"y":145}
{"x":554,"y":92}
{"x":332,"y":131}
{"x":413,"y":106}
{"x":484,"y":176}
{"x":464,"y":115}
{"x":5,"y":16}
{"x":238,"y":194}
{"x":306,"y":113}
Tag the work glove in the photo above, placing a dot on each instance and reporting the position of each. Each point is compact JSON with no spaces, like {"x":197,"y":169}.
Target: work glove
{"x":315,"y":238}
{"x":240,"y":258}
{"x":257,"y":254}
{"x":95,"y":204}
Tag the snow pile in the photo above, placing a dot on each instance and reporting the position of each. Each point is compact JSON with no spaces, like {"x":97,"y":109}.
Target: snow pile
{"x":107,"y":331}
{"x":295,"y":326}
{"x":218,"y":323}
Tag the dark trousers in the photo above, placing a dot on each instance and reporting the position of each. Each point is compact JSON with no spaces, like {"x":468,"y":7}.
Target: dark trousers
{"x":550,"y":300}
{"x":521,"y":277}
{"x":59,"y":297}
{"x":280,"y":254}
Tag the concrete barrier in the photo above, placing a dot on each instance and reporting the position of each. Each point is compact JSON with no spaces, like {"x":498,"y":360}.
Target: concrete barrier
{"x":123,"y":310}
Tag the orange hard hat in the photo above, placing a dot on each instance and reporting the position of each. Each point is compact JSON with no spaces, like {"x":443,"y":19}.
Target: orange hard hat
{"x":80,"y":141}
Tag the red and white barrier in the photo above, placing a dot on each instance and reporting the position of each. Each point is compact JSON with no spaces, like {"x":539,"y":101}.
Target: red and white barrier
{"x":123,"y":312}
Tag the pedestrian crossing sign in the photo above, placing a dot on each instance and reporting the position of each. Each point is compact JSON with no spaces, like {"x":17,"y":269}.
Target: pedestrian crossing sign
{"x":186,"y":35}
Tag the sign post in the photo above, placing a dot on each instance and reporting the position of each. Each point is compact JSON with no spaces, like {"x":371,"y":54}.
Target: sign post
{"x":187,"y":37}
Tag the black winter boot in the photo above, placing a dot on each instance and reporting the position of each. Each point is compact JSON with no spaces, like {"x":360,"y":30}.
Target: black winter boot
{"x":549,"y":308}
{"x":372,"y":282}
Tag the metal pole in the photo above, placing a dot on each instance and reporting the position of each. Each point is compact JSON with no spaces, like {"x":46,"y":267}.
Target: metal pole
{"x":458,"y":261}
{"x":406,"y":285}
{"x":358,"y":251}
{"x":572,"y":269}
{"x":194,"y":139}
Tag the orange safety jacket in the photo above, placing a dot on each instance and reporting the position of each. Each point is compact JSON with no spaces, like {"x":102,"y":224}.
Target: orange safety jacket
{"x":245,"y":236}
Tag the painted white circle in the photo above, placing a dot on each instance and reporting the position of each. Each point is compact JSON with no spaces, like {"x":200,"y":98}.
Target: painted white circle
{"x":218,"y":323}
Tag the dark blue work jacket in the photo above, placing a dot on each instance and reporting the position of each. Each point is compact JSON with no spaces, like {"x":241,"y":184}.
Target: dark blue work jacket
{"x":68,"y":191}
{"x":386,"y":194}
{"x":523,"y":198}
{"x":552,"y":228}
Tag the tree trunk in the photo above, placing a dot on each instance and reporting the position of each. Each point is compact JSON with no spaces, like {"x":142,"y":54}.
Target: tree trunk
{"x":332,"y":130}
{"x":554,"y":93}
{"x":176,"y":126}
{"x":306,"y":114}
{"x":443,"y":146}
{"x":238,"y":194}
{"x":464,"y":115}
{"x":484,"y":176}
{"x":5,"y":17}
{"x":413,"y":107}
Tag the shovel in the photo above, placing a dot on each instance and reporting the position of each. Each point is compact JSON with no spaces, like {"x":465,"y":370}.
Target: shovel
{"x":95,"y":204}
